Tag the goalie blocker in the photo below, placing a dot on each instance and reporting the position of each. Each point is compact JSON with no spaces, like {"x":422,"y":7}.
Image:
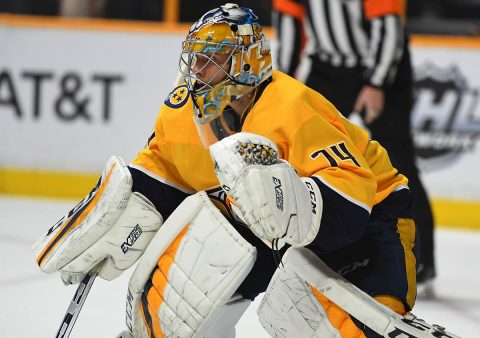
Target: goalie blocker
{"x":306,"y":298}
{"x":111,"y":223}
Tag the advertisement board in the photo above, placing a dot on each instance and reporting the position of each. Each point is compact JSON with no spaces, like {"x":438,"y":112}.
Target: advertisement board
{"x":74,"y":92}
{"x":446,"y":120}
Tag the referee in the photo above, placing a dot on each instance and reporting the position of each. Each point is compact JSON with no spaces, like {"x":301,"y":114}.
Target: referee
{"x":355,"y":53}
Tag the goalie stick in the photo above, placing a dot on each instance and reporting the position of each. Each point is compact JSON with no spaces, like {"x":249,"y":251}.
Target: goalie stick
{"x":77,"y":303}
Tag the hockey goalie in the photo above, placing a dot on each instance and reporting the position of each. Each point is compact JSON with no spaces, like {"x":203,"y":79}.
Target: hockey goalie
{"x":267,"y":189}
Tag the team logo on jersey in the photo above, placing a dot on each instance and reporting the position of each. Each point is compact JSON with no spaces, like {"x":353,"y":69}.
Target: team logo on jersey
{"x":445,"y":115}
{"x":177,"y":97}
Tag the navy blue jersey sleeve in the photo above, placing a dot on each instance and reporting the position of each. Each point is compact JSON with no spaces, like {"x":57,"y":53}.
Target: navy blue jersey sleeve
{"x":343,"y":222}
{"x":164,"y":197}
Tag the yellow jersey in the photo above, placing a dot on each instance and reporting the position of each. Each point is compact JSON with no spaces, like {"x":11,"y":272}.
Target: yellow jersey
{"x":354,"y":173}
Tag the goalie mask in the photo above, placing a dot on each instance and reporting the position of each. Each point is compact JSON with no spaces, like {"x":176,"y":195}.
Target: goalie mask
{"x":224,"y":57}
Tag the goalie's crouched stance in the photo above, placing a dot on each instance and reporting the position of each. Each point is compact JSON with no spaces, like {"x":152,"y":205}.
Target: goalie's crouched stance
{"x":306,"y":298}
{"x":112,"y":223}
{"x":184,"y":285}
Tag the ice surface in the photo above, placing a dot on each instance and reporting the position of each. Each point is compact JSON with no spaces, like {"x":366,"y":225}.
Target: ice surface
{"x":32,"y":304}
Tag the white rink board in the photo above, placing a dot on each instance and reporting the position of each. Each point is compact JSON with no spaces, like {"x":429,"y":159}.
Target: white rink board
{"x":145,"y":63}
{"x":455,"y":114}
{"x":137,"y":71}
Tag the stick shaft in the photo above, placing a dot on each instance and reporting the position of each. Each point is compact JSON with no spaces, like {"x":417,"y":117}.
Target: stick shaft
{"x":76,"y":304}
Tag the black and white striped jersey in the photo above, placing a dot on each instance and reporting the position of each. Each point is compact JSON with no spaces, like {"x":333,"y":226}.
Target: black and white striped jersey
{"x":342,"y":33}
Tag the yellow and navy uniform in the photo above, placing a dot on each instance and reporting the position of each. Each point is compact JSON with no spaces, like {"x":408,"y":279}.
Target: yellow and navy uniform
{"x":310,"y":134}
{"x":338,"y":47}
{"x":353,"y":172}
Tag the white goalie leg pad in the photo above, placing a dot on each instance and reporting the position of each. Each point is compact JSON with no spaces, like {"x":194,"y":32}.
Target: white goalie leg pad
{"x":198,"y":261}
{"x":224,"y":319}
{"x":289,"y":308}
{"x":312,"y":271}
{"x":111,"y":223}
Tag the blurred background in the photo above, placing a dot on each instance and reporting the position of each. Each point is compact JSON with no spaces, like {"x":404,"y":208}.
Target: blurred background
{"x":76,"y":76}
{"x":448,"y":17}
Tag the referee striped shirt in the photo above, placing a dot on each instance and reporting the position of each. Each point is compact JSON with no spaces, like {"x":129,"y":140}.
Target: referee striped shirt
{"x":342,"y":33}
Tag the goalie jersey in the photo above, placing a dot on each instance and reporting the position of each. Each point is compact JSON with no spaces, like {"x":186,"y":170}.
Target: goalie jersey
{"x":353,"y":172}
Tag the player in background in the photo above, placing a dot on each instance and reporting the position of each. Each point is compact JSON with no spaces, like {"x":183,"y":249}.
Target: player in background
{"x":356,"y":54}
{"x":286,"y":169}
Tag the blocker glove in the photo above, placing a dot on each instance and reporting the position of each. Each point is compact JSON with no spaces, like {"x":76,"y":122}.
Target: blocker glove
{"x":112,"y":223}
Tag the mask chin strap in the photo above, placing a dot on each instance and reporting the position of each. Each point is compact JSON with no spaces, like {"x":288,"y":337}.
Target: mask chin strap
{"x":194,"y":100}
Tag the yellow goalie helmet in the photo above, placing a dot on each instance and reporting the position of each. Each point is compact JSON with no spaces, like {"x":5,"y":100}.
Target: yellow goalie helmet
{"x":230,"y":38}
